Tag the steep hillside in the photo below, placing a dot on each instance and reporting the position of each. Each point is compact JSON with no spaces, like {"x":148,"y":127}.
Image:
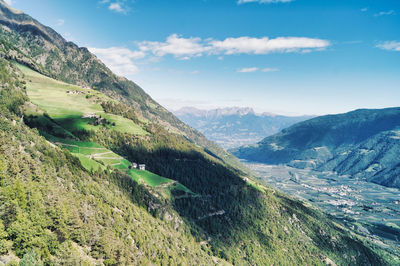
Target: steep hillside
{"x":25,"y":40}
{"x":53,"y":211}
{"x":375,"y":159}
{"x":362,"y":142}
{"x":81,"y":203}
{"x":234,"y":127}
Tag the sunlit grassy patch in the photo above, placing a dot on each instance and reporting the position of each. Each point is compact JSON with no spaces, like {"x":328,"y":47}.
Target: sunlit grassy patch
{"x":148,"y":177}
{"x":69,"y":105}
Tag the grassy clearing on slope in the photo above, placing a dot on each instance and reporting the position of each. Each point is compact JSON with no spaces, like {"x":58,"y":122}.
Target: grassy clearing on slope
{"x":148,"y":177}
{"x":124,"y":125}
{"x":89,"y":164}
{"x":51,"y":95}
{"x":67,"y":109}
{"x":89,"y":153}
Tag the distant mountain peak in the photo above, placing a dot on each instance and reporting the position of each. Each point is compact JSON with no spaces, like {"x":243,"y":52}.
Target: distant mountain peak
{"x":218,"y":112}
{"x":235,"y":126}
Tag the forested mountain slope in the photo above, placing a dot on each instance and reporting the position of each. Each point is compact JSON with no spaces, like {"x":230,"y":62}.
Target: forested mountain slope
{"x":364,"y":143}
{"x":62,"y":203}
{"x":25,"y":40}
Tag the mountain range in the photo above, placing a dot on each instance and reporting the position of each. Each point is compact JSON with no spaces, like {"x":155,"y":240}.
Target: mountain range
{"x":71,"y":134}
{"x":363,"y":144}
{"x":235,"y":126}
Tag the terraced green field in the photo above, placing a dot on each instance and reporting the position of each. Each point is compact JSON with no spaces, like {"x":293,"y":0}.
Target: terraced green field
{"x":95,"y":157}
{"x":63,"y":108}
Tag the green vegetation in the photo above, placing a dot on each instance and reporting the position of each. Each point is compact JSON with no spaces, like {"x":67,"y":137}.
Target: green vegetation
{"x":64,"y":117}
{"x":68,"y":105}
{"x":150,"y":178}
{"x":55,"y":211}
{"x":95,"y":157}
{"x":89,"y":164}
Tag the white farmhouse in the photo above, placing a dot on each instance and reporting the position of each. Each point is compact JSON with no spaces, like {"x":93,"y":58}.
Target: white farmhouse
{"x":142,"y":166}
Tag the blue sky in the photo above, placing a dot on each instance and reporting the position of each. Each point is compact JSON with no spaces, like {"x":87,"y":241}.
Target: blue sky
{"x":289,"y":57}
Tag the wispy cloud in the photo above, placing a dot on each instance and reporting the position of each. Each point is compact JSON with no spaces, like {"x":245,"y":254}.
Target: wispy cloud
{"x":255,"y":69}
{"x":390,"y":46}
{"x":186,"y":48}
{"x":181,"y":48}
{"x":269,"y":69}
{"x":116,"y":7}
{"x":247,"y":70}
{"x":365,"y":9}
{"x":248,"y":45}
{"x":119,"y":59}
{"x":385,"y":13}
{"x":263,"y":1}
{"x":8,"y":2}
{"x":60,"y":22}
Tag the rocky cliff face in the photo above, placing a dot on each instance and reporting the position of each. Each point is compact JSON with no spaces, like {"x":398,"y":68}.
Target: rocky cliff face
{"x":362,"y":143}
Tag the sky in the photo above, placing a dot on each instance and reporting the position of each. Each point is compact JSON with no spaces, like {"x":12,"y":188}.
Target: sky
{"x":289,"y":57}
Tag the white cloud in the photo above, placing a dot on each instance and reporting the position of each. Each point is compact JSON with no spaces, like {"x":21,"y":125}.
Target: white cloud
{"x":181,"y":48}
{"x":247,"y":70}
{"x":60,"y":22}
{"x":8,"y":2}
{"x":186,"y":48}
{"x":390,"y":45}
{"x":194,"y":72}
{"x":255,"y":69}
{"x":365,"y":9}
{"x":269,"y":69}
{"x":385,"y":13}
{"x":117,"y":7}
{"x":248,"y":45}
{"x":119,"y":59}
{"x":263,"y":1}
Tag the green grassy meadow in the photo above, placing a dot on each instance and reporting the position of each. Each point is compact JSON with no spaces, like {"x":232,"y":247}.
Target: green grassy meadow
{"x":95,"y":157}
{"x":148,"y":177}
{"x":65,"y":113}
{"x":67,"y":109}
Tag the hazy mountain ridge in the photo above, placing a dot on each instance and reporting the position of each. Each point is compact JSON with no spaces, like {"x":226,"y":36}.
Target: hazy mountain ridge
{"x":235,"y":126}
{"x":362,"y":143}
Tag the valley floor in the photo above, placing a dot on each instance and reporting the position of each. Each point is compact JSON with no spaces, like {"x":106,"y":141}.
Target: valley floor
{"x":370,"y":209}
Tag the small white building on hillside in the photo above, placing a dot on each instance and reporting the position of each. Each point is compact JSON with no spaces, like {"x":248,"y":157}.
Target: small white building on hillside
{"x":133,"y":165}
{"x":142,"y":166}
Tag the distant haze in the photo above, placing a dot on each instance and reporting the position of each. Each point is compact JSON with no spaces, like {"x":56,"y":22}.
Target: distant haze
{"x":235,"y":126}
